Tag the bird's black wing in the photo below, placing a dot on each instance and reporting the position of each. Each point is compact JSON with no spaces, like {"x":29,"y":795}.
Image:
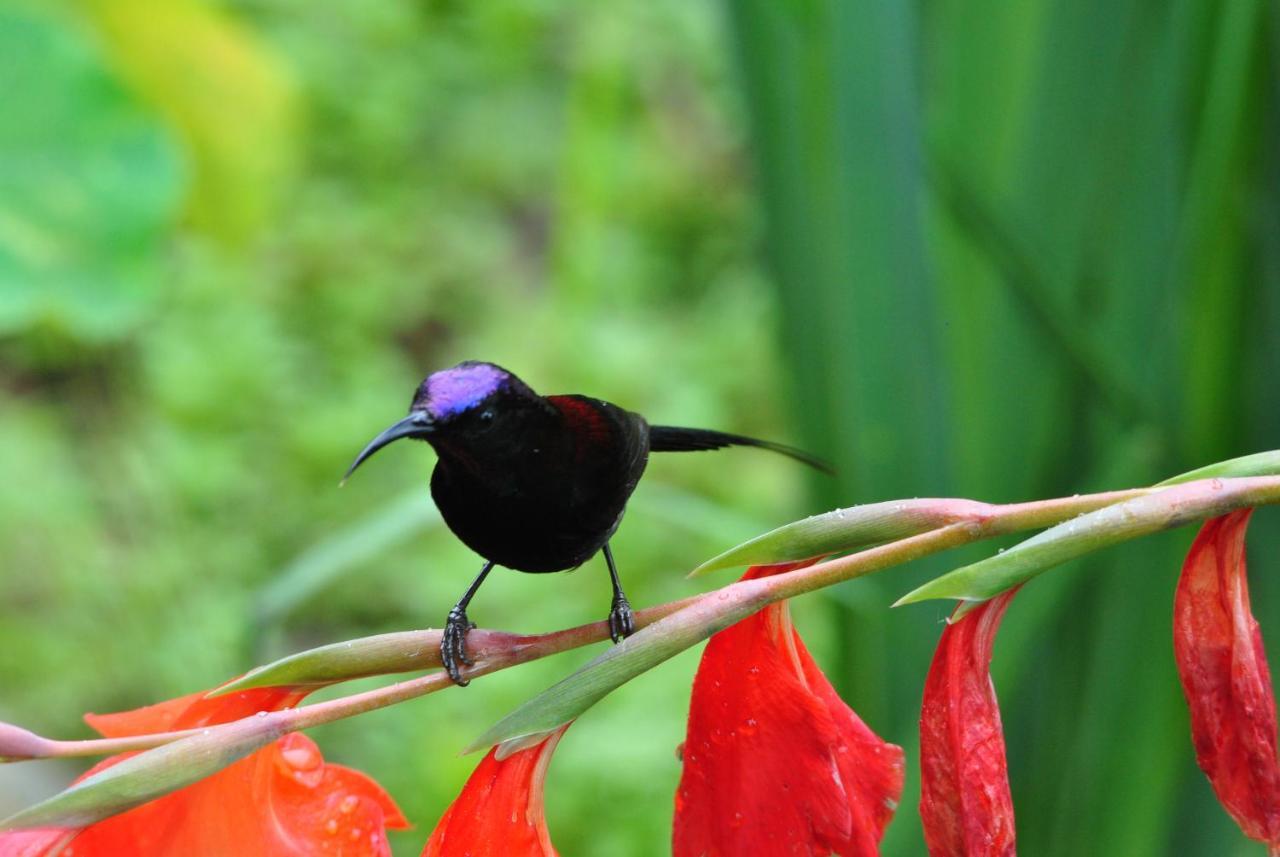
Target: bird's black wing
{"x":677,"y":439}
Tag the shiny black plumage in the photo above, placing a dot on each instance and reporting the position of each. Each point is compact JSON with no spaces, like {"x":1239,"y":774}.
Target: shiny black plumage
{"x":535,"y":483}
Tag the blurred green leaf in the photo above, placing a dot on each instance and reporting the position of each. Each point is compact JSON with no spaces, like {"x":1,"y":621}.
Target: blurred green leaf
{"x":327,"y":560}
{"x":90,"y":185}
{"x":222,"y":90}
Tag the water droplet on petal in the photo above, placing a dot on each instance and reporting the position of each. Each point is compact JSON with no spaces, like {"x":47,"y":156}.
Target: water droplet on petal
{"x":331,"y":826}
{"x":348,"y":804}
{"x":301,"y":759}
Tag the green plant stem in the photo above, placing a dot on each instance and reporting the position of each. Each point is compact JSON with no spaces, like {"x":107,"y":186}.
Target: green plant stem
{"x":495,"y":650}
{"x":492,"y":651}
{"x":20,"y":745}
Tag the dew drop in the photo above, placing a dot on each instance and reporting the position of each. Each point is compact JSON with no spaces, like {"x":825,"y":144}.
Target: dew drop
{"x":331,"y":826}
{"x":348,"y":804}
{"x":300,"y":757}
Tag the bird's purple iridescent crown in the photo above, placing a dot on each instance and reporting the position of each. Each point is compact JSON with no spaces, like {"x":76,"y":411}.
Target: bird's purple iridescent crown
{"x":452,"y":391}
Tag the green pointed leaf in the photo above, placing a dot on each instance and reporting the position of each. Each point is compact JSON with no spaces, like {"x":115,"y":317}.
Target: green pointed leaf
{"x":402,"y":651}
{"x":1258,"y":464}
{"x":150,"y":774}
{"x":645,"y":649}
{"x":1164,"y":509}
{"x":91,"y":185}
{"x":844,"y":530}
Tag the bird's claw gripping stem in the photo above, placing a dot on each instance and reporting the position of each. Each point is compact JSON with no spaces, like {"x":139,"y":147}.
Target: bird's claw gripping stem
{"x":622,"y":621}
{"x":453,"y":645}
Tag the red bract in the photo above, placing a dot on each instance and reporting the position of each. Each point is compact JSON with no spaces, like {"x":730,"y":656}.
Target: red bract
{"x":965,"y":804}
{"x":774,"y":761}
{"x":499,"y":812}
{"x":282,"y":801}
{"x":1224,"y":674}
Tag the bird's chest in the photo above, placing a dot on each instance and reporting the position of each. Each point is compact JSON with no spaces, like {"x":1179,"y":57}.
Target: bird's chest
{"x":546,"y":510}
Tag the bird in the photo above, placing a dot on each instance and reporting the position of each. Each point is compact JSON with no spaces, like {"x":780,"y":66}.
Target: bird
{"x":535,"y":483}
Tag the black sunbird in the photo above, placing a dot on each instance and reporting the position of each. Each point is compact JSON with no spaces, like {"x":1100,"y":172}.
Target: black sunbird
{"x":535,"y":483}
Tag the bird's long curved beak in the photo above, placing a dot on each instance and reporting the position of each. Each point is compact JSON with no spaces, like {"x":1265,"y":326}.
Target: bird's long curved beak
{"x":417,"y":424}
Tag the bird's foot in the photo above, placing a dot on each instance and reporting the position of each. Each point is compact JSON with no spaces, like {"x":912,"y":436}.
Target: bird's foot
{"x":453,"y":645}
{"x":622,"y":622}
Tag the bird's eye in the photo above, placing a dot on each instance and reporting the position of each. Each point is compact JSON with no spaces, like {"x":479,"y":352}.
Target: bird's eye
{"x":486,"y":415}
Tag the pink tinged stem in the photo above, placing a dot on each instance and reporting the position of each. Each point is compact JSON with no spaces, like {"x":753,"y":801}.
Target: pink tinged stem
{"x":965,"y":804}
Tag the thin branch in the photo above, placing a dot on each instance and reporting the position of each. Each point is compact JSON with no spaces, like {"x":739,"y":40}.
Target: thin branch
{"x":963,"y":522}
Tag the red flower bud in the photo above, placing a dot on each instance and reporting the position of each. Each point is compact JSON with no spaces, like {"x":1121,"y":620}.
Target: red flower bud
{"x":774,"y":761}
{"x":1225,"y":677}
{"x":965,"y":804}
{"x":499,"y":812}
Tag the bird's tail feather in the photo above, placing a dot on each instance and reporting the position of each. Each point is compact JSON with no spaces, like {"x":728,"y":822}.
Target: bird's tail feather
{"x":677,"y":439}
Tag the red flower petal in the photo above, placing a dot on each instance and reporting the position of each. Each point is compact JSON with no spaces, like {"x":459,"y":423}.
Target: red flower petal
{"x":965,"y":804}
{"x":1224,"y":673}
{"x":499,"y":812}
{"x":774,"y":761}
{"x":194,"y":711}
{"x":280,"y":801}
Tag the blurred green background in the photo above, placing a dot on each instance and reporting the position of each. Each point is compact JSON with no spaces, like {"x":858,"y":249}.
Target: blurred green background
{"x":989,"y":249}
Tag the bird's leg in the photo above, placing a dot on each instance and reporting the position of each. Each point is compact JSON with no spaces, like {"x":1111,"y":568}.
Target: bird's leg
{"x":453,"y":644}
{"x":621,"y":620}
